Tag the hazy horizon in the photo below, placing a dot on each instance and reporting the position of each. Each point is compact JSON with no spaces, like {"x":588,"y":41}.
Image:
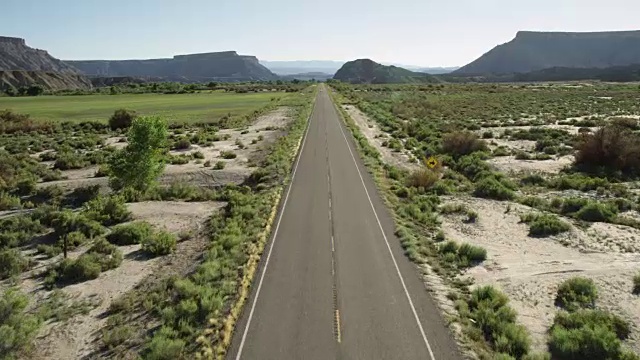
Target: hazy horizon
{"x":411,"y":32}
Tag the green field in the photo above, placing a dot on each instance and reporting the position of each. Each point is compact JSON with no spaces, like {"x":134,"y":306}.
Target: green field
{"x":174,"y":107}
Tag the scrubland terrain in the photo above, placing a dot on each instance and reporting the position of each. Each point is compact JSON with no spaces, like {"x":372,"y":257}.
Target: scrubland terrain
{"x":93,"y":265}
{"x":528,"y":229}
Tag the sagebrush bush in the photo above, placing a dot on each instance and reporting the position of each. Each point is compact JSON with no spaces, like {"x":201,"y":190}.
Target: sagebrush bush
{"x":121,"y":119}
{"x":106,"y":254}
{"x":491,"y":188}
{"x":130,"y":234}
{"x":575,"y":293}
{"x":613,"y":147}
{"x":424,"y":178}
{"x":16,"y":325}
{"x":107,"y":210}
{"x":219,"y":165}
{"x":85,"y":267}
{"x":160,"y":243}
{"x":596,"y":212}
{"x":12,"y":263}
{"x":225,"y":154}
{"x":182,"y":144}
{"x":544,"y":224}
{"x":462,"y":143}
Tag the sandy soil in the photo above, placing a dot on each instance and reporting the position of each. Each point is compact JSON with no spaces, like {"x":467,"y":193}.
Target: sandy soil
{"x":529,"y":269}
{"x":508,"y":164}
{"x":376,"y":137}
{"x":77,"y":337}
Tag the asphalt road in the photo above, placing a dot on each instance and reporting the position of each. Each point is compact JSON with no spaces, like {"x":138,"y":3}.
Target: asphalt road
{"x":334,"y":282}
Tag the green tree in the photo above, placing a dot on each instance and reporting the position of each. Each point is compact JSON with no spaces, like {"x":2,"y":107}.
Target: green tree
{"x":35,"y":90}
{"x":140,"y":163}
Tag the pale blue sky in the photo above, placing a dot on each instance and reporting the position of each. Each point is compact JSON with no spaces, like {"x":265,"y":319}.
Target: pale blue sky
{"x":416,"y":32}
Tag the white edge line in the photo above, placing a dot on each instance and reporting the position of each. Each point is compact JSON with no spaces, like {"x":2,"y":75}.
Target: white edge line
{"x":275,"y":235}
{"x":395,"y":263}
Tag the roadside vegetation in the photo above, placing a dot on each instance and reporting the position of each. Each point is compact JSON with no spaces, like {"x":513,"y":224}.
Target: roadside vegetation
{"x":100,"y":203}
{"x":557,"y":158}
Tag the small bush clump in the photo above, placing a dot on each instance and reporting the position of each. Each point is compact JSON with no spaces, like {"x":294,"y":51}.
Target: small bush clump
{"x":107,"y":210}
{"x":614,"y":147}
{"x":576,"y":293}
{"x":219,"y":165}
{"x":543,"y":225}
{"x":228,"y":154}
{"x":121,"y":119}
{"x":130,"y":234}
{"x":160,"y":243}
{"x":492,"y":188}
{"x":423,"y":178}
{"x":462,"y":143}
{"x":636,"y":284}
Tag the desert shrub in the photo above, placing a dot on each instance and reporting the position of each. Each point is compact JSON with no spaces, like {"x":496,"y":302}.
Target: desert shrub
{"x":424,"y":178}
{"x":11,"y":122}
{"x":8,"y":201}
{"x":68,"y":271}
{"x":636,"y":284}
{"x":225,"y":154}
{"x":489,"y":308}
{"x":577,"y":182}
{"x":219,"y":165}
{"x":533,"y":179}
{"x":12,"y":263}
{"x":491,"y":188}
{"x":544,"y":224}
{"x":522,"y":155}
{"x":588,"y":334}
{"x":453,"y":208}
{"x":487,"y":135}
{"x":160,"y":243}
{"x":471,"y":166}
{"x":16,"y":326}
{"x":462,"y":143}
{"x":182,"y":144}
{"x":106,"y":254}
{"x":596,"y":212}
{"x":130,"y":234}
{"x":624,"y":122}
{"x":472,"y":254}
{"x":69,"y":160}
{"x":198,"y":155}
{"x":501,"y":151}
{"x":575,"y":293}
{"x":121,"y":119}
{"x":165,"y":345}
{"x":613,"y":147}
{"x":107,"y":210}
{"x":472,"y":216}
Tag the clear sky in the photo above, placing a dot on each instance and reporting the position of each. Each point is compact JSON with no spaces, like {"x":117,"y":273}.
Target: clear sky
{"x":414,"y":32}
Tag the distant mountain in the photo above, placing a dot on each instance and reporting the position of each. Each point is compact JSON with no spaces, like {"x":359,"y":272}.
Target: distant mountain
{"x":531,"y":51}
{"x":215,"y":66}
{"x":48,"y":80}
{"x":436,"y":70}
{"x":302,"y":66}
{"x":16,"y":55}
{"x":366,"y":71}
{"x":319,"y":76}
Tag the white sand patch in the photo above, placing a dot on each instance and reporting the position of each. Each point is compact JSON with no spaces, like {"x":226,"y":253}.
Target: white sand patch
{"x":529,"y":269}
{"x":509,"y":164}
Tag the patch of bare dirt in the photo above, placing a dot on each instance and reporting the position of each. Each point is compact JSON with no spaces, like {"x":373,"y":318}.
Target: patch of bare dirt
{"x":376,"y":137}
{"x":509,"y":164}
{"x":529,"y":270}
{"x":174,"y":216}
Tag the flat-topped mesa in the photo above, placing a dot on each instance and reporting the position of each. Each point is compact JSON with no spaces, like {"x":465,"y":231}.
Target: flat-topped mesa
{"x":523,"y":34}
{"x":209,"y":55}
{"x":13,"y":40}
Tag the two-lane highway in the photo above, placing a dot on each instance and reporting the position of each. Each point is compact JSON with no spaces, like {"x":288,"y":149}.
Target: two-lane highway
{"x":333,"y":282}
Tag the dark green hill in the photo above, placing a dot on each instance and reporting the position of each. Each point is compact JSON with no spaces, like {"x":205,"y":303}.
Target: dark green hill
{"x":365,"y":71}
{"x":532,"y":51}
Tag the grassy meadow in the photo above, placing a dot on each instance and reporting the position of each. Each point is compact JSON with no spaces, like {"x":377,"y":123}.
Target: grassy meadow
{"x":204,"y":106}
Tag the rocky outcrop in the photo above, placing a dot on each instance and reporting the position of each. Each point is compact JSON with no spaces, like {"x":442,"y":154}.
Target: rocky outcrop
{"x":48,"y":80}
{"x":16,"y":55}
{"x":217,"y":66}
{"x":532,"y":51}
{"x":366,"y":71}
